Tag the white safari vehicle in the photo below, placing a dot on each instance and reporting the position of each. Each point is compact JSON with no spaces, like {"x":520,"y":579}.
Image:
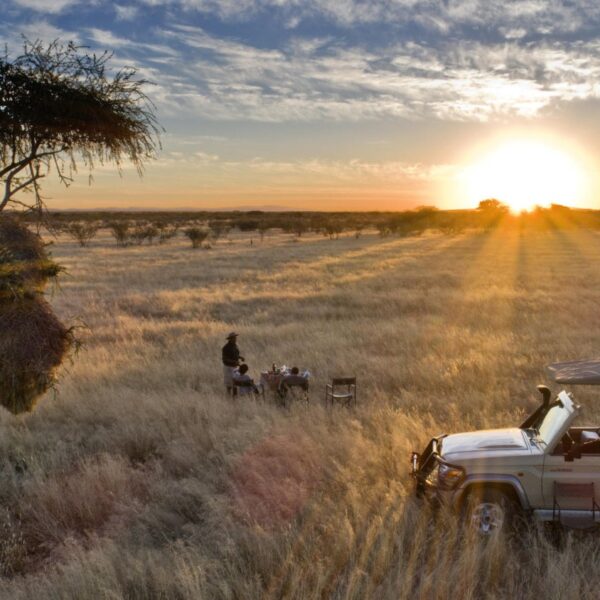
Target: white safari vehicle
{"x":547,"y":468}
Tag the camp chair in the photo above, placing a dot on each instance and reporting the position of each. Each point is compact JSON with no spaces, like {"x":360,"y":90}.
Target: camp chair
{"x":246,"y":384}
{"x":346,"y":396}
{"x":293,"y":386}
{"x":574,"y":490}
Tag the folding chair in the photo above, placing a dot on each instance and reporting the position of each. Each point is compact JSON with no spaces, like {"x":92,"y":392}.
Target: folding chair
{"x":346,"y":396}
{"x":574,"y":490}
{"x":293,"y":385}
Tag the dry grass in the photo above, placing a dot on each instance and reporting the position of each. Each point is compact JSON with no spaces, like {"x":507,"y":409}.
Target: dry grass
{"x":141,"y":480}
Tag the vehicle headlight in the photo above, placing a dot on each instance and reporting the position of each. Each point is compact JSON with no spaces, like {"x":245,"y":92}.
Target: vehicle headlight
{"x":450,"y":476}
{"x":433,"y":477}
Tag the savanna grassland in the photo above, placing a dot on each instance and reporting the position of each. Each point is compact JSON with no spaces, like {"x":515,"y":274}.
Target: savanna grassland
{"x":141,"y":479}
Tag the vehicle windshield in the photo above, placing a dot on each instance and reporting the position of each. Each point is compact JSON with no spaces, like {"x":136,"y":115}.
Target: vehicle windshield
{"x":556,"y":420}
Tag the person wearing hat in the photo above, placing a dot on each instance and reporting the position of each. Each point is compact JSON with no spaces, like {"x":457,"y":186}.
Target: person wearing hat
{"x":231,"y":359}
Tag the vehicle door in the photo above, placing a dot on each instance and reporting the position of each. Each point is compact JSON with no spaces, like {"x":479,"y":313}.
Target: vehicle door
{"x":582,"y":470}
{"x":551,"y":431}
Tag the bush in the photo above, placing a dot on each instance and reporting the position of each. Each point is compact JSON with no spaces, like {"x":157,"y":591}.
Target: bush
{"x":247,"y":224}
{"x":120,"y":231}
{"x":333,"y":230}
{"x":151,"y":233}
{"x":196,"y":236}
{"x":166,"y":232}
{"x":219,"y":229}
{"x":262,"y":228}
{"x":83,"y":233}
{"x":143,"y":232}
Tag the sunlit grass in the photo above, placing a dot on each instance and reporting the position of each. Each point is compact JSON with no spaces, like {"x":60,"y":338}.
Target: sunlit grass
{"x":140,"y":479}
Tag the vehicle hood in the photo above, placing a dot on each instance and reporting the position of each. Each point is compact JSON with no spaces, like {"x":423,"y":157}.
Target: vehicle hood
{"x":490,"y":441}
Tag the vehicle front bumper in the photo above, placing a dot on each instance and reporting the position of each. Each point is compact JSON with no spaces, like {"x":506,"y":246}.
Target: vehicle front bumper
{"x":424,"y":470}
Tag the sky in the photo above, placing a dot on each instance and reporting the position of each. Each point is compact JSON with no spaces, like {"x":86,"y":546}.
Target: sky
{"x":344,"y":104}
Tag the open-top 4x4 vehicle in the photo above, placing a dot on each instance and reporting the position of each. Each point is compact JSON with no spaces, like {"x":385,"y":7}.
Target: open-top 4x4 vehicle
{"x":546,"y":468}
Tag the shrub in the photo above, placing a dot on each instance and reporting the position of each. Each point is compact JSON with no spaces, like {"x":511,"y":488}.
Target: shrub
{"x":151,"y":233}
{"x":196,"y":236}
{"x":383,"y":229}
{"x":143,"y":232}
{"x":218,"y":229}
{"x":120,"y":231}
{"x":247,"y":224}
{"x":332,"y":229}
{"x":83,"y":233}
{"x":262,"y":228}
{"x":299,"y":227}
{"x":166,"y":232}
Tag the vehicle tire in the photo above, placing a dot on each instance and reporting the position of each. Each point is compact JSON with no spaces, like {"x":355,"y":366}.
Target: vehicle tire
{"x":489,"y":511}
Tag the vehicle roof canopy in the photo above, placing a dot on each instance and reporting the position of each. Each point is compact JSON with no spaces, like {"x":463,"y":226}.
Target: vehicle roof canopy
{"x":576,"y":372}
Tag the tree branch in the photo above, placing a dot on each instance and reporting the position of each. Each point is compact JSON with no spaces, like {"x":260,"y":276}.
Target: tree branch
{"x":34,"y":155}
{"x":8,"y":192}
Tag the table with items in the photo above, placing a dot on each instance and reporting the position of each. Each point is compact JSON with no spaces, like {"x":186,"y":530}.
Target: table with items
{"x":273,"y":378}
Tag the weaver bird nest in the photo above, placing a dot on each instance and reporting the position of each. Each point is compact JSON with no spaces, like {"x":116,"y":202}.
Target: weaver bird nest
{"x":33,"y":342}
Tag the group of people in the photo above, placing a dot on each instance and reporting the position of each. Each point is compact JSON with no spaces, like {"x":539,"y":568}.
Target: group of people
{"x":236,"y":377}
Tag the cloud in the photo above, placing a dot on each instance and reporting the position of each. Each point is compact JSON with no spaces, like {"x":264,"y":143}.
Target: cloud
{"x":316,"y":172}
{"x":126,"y":13}
{"x":320,"y":79}
{"x":472,"y":77}
{"x":541,"y":16}
{"x":35,"y":30}
{"x":47,"y":6}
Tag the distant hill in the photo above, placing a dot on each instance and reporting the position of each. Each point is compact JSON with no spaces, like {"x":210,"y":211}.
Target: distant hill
{"x":172,"y":209}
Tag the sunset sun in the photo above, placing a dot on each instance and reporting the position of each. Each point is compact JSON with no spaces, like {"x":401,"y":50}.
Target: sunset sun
{"x":523,"y":173}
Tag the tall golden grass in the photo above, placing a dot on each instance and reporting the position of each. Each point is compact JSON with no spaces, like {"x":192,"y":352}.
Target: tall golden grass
{"x":140,"y":479}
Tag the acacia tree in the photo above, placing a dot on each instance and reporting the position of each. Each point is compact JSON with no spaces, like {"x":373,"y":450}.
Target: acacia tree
{"x":60,"y":109}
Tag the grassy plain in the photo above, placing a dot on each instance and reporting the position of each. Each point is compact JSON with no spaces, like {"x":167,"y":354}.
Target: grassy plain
{"x":140,"y":479}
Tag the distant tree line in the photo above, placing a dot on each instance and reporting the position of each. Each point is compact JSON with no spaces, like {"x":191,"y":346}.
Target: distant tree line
{"x":202,"y":228}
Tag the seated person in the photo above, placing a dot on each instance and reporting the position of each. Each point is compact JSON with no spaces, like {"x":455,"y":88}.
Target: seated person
{"x":291,"y":380}
{"x":243,"y":383}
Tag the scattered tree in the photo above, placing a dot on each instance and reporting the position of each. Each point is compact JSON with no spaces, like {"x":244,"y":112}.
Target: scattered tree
{"x":333,"y":230}
{"x":84,"y":233}
{"x":120,"y":231}
{"x":492,"y":212}
{"x":262,"y":228}
{"x":491,"y":204}
{"x":196,"y":235}
{"x":166,"y":232}
{"x":383,"y":229}
{"x":218,"y":229}
{"x":299,"y":227}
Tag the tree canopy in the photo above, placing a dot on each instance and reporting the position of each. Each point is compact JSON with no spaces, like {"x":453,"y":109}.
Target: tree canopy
{"x":60,"y":108}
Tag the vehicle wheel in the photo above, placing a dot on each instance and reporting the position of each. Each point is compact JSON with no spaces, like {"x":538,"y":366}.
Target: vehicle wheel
{"x":489,"y":511}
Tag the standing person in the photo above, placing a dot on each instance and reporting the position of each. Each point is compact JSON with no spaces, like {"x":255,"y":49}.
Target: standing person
{"x":231,"y":359}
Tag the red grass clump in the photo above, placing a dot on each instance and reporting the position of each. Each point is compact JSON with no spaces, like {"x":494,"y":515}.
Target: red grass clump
{"x":273,"y":480}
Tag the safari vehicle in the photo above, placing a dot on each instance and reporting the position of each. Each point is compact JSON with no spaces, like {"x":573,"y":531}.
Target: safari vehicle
{"x":545,"y":469}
